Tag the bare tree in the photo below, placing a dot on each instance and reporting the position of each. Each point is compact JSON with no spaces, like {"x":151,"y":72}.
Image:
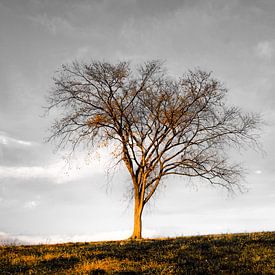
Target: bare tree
{"x":160,"y":126}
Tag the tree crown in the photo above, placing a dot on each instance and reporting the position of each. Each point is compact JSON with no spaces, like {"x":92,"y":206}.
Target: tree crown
{"x":161,"y":126}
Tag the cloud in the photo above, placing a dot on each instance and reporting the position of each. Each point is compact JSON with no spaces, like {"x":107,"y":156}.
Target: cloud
{"x":6,"y":140}
{"x":26,"y":172}
{"x":54,"y":171}
{"x":81,"y":53}
{"x":265,"y":49}
{"x":13,"y":165}
{"x":54,"y":24}
{"x":258,"y":172}
{"x":31,"y":204}
{"x":59,"y":172}
{"x":25,"y":160}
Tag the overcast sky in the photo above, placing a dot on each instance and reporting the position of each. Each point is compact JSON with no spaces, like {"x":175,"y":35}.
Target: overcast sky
{"x":44,"y":199}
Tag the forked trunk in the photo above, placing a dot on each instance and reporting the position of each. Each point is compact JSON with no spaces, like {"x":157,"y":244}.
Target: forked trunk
{"x":137,"y":232}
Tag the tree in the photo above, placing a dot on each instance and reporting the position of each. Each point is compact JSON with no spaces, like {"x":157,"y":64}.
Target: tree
{"x":159,"y":126}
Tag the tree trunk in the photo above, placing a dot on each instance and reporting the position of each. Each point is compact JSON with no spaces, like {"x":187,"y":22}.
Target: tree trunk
{"x":137,"y":232}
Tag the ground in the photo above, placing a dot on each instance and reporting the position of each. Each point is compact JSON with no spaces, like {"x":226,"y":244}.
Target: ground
{"x":250,"y":253}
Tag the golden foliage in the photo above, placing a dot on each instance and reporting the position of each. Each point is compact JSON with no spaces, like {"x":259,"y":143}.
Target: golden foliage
{"x":98,"y":119}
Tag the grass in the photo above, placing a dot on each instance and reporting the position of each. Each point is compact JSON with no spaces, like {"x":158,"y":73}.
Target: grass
{"x":249,"y":253}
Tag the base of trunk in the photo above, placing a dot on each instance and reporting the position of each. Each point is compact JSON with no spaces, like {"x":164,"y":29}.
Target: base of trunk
{"x":135,"y":237}
{"x":137,"y":230}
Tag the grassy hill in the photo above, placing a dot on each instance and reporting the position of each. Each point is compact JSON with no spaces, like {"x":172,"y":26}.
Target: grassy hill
{"x":252,"y":253}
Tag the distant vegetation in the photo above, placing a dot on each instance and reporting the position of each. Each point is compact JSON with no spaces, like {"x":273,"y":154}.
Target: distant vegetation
{"x":252,"y":253}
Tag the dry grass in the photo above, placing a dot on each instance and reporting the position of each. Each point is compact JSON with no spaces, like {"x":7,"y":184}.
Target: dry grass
{"x":213,"y":254}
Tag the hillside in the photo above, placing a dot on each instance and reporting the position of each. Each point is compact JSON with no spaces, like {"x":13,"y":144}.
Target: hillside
{"x":252,"y":253}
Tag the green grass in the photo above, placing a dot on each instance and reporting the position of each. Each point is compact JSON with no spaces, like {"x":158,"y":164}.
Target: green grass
{"x":251,"y":253}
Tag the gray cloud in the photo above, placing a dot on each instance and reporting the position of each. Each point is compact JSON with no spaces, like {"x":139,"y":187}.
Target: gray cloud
{"x":55,"y":25}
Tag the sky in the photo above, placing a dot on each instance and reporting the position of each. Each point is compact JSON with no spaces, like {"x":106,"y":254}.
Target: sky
{"x":45,"y":199}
